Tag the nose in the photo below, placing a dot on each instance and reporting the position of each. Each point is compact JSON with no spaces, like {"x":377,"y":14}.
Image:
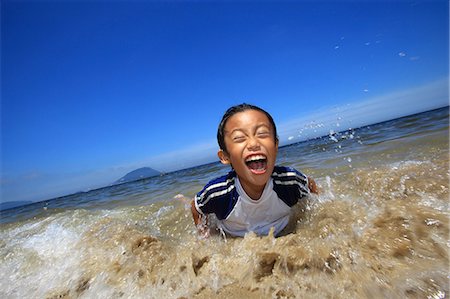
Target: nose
{"x":253,"y":144}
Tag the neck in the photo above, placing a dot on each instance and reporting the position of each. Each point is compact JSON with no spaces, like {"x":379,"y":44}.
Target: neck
{"x":254,"y":192}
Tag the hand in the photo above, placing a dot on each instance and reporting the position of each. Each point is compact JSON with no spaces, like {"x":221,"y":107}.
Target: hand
{"x":312,"y":186}
{"x":201,"y":222}
{"x":203,"y":231}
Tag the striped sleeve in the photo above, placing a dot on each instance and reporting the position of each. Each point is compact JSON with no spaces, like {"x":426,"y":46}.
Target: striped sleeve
{"x":290,"y":184}
{"x":218,"y":197}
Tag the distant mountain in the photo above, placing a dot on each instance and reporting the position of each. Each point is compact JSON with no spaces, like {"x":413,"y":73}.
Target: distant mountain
{"x":12,"y":204}
{"x":138,"y":174}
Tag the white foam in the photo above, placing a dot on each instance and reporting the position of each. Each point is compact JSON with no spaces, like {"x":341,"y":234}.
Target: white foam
{"x":40,"y":257}
{"x":401,"y":164}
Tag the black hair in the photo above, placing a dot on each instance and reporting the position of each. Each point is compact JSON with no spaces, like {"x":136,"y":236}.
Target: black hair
{"x":236,"y":109}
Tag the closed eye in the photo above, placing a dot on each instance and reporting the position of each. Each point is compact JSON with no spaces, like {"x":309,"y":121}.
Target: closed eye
{"x":239,"y":139}
{"x":263,"y":134}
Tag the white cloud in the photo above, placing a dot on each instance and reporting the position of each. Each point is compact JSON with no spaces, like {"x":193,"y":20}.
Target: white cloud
{"x":184,"y":158}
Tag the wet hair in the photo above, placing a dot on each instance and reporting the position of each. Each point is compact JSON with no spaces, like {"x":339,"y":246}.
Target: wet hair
{"x":236,"y":109}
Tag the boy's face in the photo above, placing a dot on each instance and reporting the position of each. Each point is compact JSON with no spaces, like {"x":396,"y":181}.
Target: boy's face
{"x":251,"y":149}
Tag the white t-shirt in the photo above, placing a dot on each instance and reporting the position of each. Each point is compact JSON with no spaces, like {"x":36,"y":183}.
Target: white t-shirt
{"x":238,"y":214}
{"x":256,"y":215}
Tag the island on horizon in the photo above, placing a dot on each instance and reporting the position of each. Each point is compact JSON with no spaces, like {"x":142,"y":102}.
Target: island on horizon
{"x":138,"y":174}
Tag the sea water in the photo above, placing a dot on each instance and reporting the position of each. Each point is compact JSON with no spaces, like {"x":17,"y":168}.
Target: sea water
{"x":378,"y":228}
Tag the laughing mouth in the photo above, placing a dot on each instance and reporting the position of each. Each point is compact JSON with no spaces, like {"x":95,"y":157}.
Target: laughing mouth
{"x":257,"y":163}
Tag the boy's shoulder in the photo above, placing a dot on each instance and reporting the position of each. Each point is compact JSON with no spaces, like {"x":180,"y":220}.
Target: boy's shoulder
{"x":286,"y":172}
{"x":215,"y":197}
{"x":289,"y":184}
{"x":220,"y":184}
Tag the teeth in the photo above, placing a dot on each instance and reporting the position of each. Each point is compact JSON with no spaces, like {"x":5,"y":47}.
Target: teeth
{"x":255,"y":158}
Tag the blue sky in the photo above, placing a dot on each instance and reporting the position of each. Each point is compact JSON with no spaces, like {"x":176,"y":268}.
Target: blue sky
{"x":94,"y":89}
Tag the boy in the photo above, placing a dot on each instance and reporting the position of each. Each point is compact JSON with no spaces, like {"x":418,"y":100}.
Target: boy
{"x":255,"y":195}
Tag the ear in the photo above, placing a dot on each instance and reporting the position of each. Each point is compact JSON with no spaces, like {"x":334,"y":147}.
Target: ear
{"x":223,"y":156}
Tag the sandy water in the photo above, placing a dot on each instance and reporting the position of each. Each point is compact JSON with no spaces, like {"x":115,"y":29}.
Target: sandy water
{"x":379,"y":228}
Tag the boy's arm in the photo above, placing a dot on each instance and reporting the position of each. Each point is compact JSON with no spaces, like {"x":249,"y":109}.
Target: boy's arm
{"x":312,"y":186}
{"x":200,"y":224}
